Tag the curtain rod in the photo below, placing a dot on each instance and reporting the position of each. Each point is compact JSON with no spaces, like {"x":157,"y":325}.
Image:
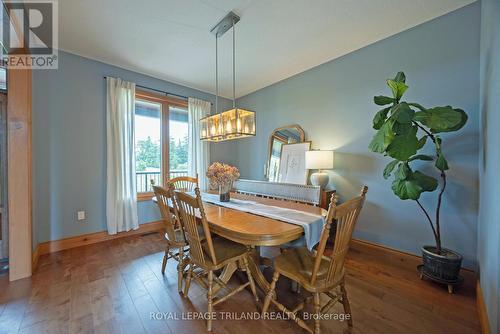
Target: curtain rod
{"x":162,"y":91}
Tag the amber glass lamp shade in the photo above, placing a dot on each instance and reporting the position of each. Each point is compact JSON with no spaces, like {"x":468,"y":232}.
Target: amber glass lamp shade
{"x":231,"y":124}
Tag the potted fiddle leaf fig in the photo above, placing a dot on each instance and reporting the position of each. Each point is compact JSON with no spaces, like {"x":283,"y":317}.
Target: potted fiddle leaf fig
{"x":403,"y":130}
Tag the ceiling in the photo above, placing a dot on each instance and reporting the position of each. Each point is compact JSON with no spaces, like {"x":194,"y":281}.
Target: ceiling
{"x":275,"y":39}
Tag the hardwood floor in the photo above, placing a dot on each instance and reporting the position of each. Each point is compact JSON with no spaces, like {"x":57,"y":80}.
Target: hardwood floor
{"x":114,"y":286}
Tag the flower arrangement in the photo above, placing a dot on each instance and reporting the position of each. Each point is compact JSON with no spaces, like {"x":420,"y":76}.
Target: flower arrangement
{"x":222,"y":175}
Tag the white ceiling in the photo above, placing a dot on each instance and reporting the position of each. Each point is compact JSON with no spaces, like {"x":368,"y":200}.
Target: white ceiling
{"x":275,"y":39}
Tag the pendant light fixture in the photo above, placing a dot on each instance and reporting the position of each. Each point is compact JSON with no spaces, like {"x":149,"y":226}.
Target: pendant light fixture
{"x":236,"y":122}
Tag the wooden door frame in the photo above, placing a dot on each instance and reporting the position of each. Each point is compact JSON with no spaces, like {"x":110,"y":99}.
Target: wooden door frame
{"x":3,"y":171}
{"x":19,"y":173}
{"x":19,"y":168}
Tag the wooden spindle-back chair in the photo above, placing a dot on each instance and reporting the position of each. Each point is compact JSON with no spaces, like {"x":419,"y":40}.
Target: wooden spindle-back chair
{"x":316,"y":272}
{"x":209,"y":253}
{"x":174,"y":234}
{"x":185,"y":183}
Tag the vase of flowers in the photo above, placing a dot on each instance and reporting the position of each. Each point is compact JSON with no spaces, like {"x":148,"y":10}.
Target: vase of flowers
{"x":221,"y":176}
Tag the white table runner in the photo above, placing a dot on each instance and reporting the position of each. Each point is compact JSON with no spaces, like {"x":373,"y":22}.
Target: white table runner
{"x":311,"y":223}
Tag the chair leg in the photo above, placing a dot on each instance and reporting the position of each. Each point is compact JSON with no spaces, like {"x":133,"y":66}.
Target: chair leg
{"x":269,"y":295}
{"x":188,"y":280}
{"x":209,"y":298}
{"x":345,"y":302}
{"x":165,"y":258}
{"x":316,"y":313}
{"x":250,"y":279}
{"x":180,"y":270}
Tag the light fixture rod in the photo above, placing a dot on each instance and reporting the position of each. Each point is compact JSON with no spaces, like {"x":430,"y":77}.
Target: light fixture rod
{"x":234,"y":67}
{"x":216,"y":76}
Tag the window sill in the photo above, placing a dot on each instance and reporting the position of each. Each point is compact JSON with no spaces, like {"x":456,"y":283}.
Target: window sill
{"x":142,"y":197}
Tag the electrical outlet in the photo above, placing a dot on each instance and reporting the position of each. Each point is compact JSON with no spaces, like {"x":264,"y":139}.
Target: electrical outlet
{"x":80,"y":215}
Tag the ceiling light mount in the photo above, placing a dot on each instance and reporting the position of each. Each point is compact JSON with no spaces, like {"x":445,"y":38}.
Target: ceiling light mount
{"x":225,"y":24}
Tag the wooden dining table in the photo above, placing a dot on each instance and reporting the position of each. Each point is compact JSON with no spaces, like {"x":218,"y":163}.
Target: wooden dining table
{"x":254,"y":230}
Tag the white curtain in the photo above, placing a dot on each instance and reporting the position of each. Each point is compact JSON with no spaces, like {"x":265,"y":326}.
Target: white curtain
{"x":199,"y":151}
{"x":121,"y":196}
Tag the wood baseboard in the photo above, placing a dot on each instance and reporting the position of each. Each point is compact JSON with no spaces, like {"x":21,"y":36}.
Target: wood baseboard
{"x":88,"y":239}
{"x":481,"y":310}
{"x":92,"y":238}
{"x":391,"y":254}
{"x":34,"y":258}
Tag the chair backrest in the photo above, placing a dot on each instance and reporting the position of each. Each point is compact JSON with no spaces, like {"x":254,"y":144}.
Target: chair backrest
{"x":345,"y":217}
{"x":170,"y":220}
{"x":185,"y":183}
{"x":191,"y":211}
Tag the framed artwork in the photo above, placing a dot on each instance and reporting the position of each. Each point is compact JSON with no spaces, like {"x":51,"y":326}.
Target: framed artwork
{"x":292,"y":167}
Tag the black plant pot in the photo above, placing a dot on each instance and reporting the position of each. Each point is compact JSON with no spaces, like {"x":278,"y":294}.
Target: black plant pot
{"x":445,"y":266}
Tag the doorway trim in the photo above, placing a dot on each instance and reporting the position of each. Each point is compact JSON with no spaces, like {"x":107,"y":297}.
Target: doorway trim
{"x":19,"y":173}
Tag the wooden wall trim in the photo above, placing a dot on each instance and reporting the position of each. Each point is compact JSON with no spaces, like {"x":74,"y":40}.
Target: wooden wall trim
{"x":391,"y":254}
{"x":92,"y":238}
{"x":35,"y":257}
{"x":19,"y":173}
{"x":481,"y":310}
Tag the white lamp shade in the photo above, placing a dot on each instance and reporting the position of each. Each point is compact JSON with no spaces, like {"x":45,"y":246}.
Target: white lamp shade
{"x":319,"y":159}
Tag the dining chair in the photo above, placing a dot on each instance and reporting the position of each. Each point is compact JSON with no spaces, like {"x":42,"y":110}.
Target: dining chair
{"x":210,"y":254}
{"x":174,"y":234}
{"x":316,"y":272}
{"x":185,"y":183}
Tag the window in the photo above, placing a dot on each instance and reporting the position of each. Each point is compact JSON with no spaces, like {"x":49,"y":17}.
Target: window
{"x":178,"y":148}
{"x":161,"y":141}
{"x":147,"y":144}
{"x":3,"y":79}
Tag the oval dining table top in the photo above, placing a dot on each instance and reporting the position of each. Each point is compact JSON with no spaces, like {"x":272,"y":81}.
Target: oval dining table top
{"x":251,"y":229}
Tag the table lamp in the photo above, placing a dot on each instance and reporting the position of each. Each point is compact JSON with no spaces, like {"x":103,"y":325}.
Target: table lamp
{"x":319,"y":160}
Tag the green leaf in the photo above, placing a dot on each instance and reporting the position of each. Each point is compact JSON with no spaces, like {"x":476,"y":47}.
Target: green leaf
{"x":418,"y":106}
{"x":382,"y":138}
{"x":401,"y":128}
{"x":462,"y":121}
{"x":426,"y":182}
{"x":380,"y":118}
{"x":439,"y":119}
{"x":413,"y":185}
{"x":400,"y":77}
{"x":383,"y":100}
{"x":403,"y":113}
{"x":389,"y":168}
{"x":406,"y":189}
{"x":398,"y":88}
{"x":421,"y":157}
{"x":421,"y":142}
{"x":402,"y":172}
{"x":404,"y":146}
{"x":441,"y":162}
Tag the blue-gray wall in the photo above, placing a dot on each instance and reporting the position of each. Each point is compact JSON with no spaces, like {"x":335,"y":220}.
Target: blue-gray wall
{"x":333,"y":103}
{"x":488,"y":252}
{"x":69,"y":145}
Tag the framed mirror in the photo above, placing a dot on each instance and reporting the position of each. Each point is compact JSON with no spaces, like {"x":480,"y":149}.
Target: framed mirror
{"x":290,"y":134}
